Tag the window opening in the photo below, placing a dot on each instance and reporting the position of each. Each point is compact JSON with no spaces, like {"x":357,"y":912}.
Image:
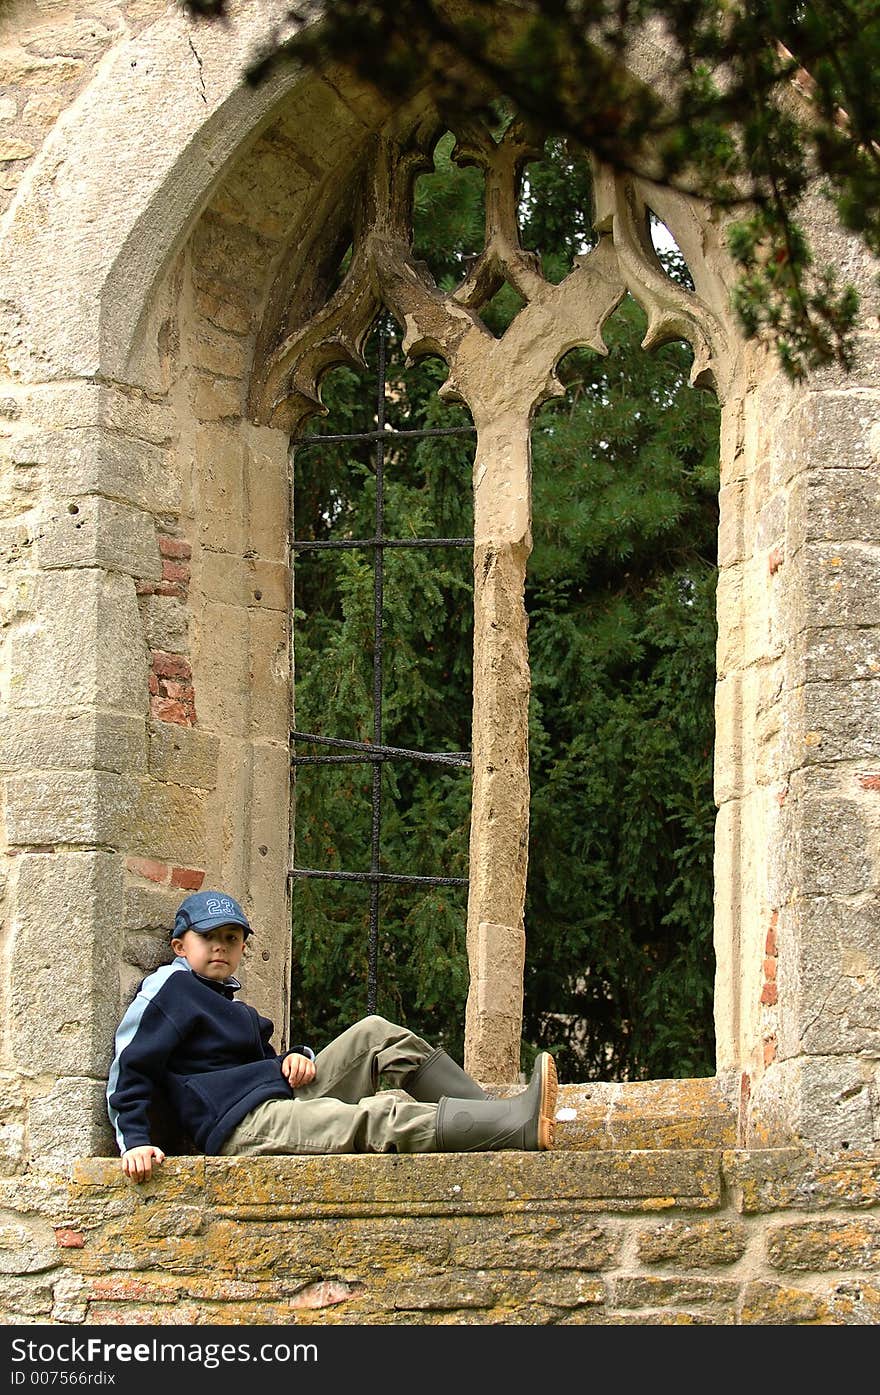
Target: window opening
{"x":375,"y":752}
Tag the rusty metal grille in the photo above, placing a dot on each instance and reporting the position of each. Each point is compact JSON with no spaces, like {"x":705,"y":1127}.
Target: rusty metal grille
{"x":375,"y":752}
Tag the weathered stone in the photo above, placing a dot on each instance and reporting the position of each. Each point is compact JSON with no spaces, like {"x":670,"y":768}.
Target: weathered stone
{"x":852,"y":1243}
{"x":183,"y":756}
{"x":826,"y":1100}
{"x":71,"y":1121}
{"x":26,"y":1248}
{"x":85,"y":647}
{"x":64,"y":899}
{"x":86,"y":460}
{"x":834,"y":999}
{"x":679,"y":1292}
{"x":854,"y":1303}
{"x":834,"y":506}
{"x":97,"y":532}
{"x":829,"y":654}
{"x":20,"y":1298}
{"x":168,"y":822}
{"x":96,"y":740}
{"x":838,"y":585}
{"x":243,"y":581}
{"x":166,"y":624}
{"x":829,"y":430}
{"x":777,"y":1305}
{"x":765,"y":1182}
{"x":836,"y":721}
{"x":71,"y":807}
{"x":835,"y":847}
{"x":693,"y":1244}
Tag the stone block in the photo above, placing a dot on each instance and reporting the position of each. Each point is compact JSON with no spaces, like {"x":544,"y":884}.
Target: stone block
{"x":27,"y":1247}
{"x":835,"y":653}
{"x":113,"y":741}
{"x":763,"y":1182}
{"x":98,"y":532}
{"x":834,"y":844}
{"x":71,"y":1122}
{"x":219,"y":483}
{"x":836,"y":721}
{"x":149,"y":909}
{"x":825,"y":431}
{"x":779,"y":1305}
{"x":678,"y":1292}
{"x":166,"y":624}
{"x":222,"y":670}
{"x":183,"y":756}
{"x":67,"y":942}
{"x":834,"y":506}
{"x":824,"y":1101}
{"x":832,"y":991}
{"x":244,"y":581}
{"x":231,"y":252}
{"x":693,"y":1244}
{"x":70,"y":807}
{"x":84,"y":647}
{"x":80,"y":403}
{"x":816,"y":1245}
{"x":263,"y":192}
{"x":168,"y":822}
{"x":88,"y":461}
{"x":269,"y":675}
{"x":217,"y":400}
{"x":267,"y":479}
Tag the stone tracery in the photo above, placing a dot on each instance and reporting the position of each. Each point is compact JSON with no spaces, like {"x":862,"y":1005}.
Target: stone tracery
{"x":502,"y":382}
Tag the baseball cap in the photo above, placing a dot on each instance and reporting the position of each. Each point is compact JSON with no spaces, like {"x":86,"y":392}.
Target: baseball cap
{"x":205,"y":910}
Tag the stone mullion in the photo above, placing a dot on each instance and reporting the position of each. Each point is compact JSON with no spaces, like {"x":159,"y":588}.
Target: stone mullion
{"x":500,"y":778}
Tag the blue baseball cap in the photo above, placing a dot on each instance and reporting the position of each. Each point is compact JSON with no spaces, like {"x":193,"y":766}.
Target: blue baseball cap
{"x":205,"y":910}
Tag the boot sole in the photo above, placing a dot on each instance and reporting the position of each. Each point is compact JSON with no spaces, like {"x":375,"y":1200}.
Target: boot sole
{"x":549,"y":1091}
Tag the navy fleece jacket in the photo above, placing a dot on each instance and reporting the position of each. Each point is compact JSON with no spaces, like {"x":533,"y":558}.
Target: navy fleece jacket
{"x":211,"y":1055}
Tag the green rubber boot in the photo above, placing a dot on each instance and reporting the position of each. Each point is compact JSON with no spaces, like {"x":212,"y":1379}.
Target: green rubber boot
{"x":528,"y":1121}
{"x":439,"y":1075}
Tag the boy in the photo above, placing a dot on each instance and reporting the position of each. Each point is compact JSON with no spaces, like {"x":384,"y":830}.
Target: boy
{"x":186,"y":1033}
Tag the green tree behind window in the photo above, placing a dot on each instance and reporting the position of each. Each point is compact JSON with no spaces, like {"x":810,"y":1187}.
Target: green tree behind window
{"x":620,"y":596}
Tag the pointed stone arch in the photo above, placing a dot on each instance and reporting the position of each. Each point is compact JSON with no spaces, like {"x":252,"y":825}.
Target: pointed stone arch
{"x":146,"y":653}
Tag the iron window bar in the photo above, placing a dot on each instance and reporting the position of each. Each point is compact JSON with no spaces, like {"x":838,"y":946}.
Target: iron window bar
{"x":375,"y":752}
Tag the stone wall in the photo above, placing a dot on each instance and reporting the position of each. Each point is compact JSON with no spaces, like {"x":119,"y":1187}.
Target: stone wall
{"x":161,"y":228}
{"x":687,"y":1236}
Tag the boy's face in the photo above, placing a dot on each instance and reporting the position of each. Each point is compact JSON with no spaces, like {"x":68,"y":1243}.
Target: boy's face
{"x":216,"y":954}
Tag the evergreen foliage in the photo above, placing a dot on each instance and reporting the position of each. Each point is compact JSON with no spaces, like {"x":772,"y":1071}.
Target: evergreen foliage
{"x":620,"y":596}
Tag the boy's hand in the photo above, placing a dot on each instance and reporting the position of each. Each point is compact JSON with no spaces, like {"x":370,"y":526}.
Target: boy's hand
{"x":297,"y":1069}
{"x":137,"y":1163}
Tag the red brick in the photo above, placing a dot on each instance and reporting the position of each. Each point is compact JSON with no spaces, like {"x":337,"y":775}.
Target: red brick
{"x":775,"y":560}
{"x":870,"y":782}
{"x":153,"y":684}
{"x":175,"y":571}
{"x":144,"y":588}
{"x":175,"y":547}
{"x":189,"y":878}
{"x":170,"y":665}
{"x":149,"y":868}
{"x":769,"y":994}
{"x":128,"y":1288}
{"x":168,"y":710}
{"x":770,"y":970}
{"x":770,"y":946}
{"x":169,"y":588}
{"x":69,"y":1239}
{"x":770,"y":1046}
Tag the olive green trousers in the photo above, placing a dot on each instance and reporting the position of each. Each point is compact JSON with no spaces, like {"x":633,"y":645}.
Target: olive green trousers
{"x":340,"y":1111}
